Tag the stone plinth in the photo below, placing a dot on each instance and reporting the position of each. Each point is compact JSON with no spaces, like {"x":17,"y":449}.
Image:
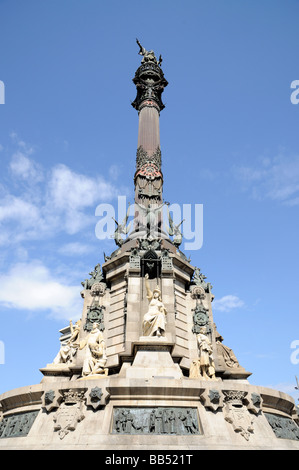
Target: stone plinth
{"x":153,"y":359}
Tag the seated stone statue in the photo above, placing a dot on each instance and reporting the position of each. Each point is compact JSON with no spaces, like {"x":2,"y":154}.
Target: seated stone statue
{"x":154,"y":321}
{"x":68,"y":351}
{"x":95,"y":353}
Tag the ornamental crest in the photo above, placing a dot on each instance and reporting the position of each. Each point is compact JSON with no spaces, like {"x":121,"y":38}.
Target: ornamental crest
{"x":236,"y":413}
{"x":70,"y":412}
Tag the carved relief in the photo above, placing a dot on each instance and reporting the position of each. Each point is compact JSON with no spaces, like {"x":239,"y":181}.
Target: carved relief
{"x":283,"y":427}
{"x":197,"y":292}
{"x":134,"y":259}
{"x":166,"y":261}
{"x":212,"y":399}
{"x":143,"y":159}
{"x":255,"y":403}
{"x":97,"y":397}
{"x":95,"y":312}
{"x":17,"y":425}
{"x":156,"y":420}
{"x":51,"y":400}
{"x":200,"y":318}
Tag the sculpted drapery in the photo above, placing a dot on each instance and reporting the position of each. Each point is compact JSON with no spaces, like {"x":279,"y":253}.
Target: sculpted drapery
{"x":154,"y":321}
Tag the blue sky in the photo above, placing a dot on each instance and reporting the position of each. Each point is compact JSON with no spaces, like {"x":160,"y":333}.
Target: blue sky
{"x":229,"y":140}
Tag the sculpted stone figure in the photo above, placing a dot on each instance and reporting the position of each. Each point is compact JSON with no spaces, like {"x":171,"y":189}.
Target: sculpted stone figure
{"x":228,"y":355}
{"x":203,"y":367}
{"x":95,"y":353}
{"x":148,"y":56}
{"x":68,"y":351}
{"x":96,"y":276}
{"x":154,"y":321}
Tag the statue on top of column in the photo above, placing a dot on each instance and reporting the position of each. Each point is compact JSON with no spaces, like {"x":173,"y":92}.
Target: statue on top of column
{"x":148,"y":56}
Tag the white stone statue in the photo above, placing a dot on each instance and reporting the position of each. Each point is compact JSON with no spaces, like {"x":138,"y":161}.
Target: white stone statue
{"x":68,"y":351}
{"x":95,"y":353}
{"x":204,"y":366}
{"x":154,"y":321}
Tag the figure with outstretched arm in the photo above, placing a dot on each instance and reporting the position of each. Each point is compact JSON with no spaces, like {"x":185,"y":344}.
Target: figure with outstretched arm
{"x":148,"y":56}
{"x":154,"y":321}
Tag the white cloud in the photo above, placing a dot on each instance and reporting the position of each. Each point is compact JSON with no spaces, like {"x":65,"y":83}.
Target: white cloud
{"x":30,"y":286}
{"x":27,"y":148}
{"x":272,"y":178}
{"x":48,"y":204}
{"x":25,"y":168}
{"x":227,"y":303}
{"x":70,"y":194}
{"x":19,"y":220}
{"x":76,"y":248}
{"x":18,"y":209}
{"x":70,"y":190}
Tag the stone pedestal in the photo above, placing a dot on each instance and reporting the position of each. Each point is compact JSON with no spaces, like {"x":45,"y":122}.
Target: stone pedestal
{"x":153,"y":359}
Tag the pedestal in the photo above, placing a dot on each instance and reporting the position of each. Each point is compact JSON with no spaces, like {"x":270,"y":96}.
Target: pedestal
{"x":153,"y":359}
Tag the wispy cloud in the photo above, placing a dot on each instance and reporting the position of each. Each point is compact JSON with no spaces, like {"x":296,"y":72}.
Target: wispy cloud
{"x":274,"y":178}
{"x":69,"y":194}
{"x":75,"y":249}
{"x":38,"y":203}
{"x":23,"y":167}
{"x":227,"y":303}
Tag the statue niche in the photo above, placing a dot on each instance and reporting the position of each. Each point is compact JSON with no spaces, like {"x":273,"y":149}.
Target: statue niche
{"x":150,"y":265}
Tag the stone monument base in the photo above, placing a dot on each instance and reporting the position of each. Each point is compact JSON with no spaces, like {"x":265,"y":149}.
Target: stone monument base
{"x":128,"y":413}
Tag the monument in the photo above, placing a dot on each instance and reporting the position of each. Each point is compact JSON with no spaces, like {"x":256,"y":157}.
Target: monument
{"x":145,"y":368}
